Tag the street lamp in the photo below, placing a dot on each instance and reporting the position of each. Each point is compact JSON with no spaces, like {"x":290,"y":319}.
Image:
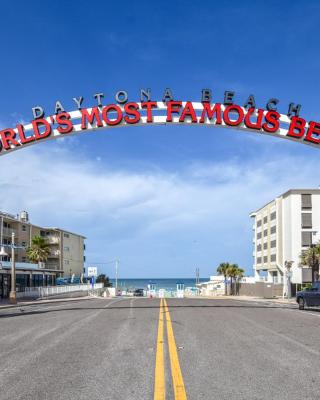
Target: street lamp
{"x":3,"y":252}
{"x":13,"y":293}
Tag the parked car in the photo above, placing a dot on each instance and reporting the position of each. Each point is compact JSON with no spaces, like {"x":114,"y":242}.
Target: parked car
{"x":138,"y":292}
{"x":309,"y":297}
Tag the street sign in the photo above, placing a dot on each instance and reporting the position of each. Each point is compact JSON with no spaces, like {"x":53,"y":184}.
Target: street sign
{"x":93,"y":271}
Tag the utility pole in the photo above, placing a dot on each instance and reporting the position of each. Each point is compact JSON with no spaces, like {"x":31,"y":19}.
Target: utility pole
{"x":197,"y":279}
{"x":117,"y":261}
{"x":197,"y":275}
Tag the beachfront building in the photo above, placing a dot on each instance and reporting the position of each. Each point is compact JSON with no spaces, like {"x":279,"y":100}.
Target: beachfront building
{"x":66,"y":257}
{"x":282,"y":229}
{"x":216,"y":286}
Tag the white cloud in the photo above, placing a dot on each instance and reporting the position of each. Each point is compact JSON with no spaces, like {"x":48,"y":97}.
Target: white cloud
{"x":152,"y":220}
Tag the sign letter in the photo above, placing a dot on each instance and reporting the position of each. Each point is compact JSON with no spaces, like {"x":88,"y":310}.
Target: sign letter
{"x":37,"y":112}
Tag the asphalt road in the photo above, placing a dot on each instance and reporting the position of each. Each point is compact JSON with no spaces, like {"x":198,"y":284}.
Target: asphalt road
{"x":107,"y":349}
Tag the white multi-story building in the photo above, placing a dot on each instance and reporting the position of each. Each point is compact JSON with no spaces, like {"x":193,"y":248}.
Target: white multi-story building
{"x":282,"y":229}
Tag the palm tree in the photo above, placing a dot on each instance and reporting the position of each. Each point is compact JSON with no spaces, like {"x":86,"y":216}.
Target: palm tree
{"x":240,"y":274}
{"x":39,"y":250}
{"x":234,"y":272}
{"x":223,"y":270}
{"x":311,"y":258}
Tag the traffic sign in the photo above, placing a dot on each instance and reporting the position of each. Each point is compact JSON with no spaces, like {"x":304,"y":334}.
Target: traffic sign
{"x":93,"y":271}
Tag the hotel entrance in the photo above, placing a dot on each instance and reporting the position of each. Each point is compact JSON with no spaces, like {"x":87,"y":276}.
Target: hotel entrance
{"x":4,"y":285}
{"x":23,"y":281}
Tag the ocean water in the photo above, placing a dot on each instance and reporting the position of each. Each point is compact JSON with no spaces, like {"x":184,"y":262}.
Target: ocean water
{"x":165,"y":283}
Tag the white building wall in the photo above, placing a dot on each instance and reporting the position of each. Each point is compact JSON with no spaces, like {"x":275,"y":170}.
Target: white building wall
{"x":73,"y":252}
{"x":288,"y":233}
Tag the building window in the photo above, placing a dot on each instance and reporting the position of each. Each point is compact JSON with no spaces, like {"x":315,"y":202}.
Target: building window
{"x":265,"y":245}
{"x":258,"y":260}
{"x":306,"y":239}
{"x":259,"y":247}
{"x":259,"y":235}
{"x":265,"y":232}
{"x":273,"y":229}
{"x":66,"y":235}
{"x":66,"y":248}
{"x":84,"y":246}
{"x":273,"y":258}
{"x":273,"y":243}
{"x":265,"y":220}
{"x":265,"y":259}
{"x":23,"y":244}
{"x":306,"y":220}
{"x":306,"y":201}
{"x":42,"y":233}
{"x":66,"y":262}
{"x":84,"y":258}
{"x":273,"y":216}
{"x":24,"y":259}
{"x":259,"y":223}
{"x":24,"y":228}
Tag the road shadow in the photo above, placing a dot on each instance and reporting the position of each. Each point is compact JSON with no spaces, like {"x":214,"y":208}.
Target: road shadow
{"x":23,"y":311}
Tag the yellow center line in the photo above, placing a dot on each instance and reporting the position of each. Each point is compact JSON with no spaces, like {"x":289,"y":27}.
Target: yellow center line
{"x":159,"y":384}
{"x":177,"y":379}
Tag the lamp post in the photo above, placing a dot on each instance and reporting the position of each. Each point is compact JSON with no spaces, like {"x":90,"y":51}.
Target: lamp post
{"x":13,"y":293}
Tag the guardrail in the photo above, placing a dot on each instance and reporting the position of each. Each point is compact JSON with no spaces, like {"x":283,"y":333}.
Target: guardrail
{"x":41,"y":292}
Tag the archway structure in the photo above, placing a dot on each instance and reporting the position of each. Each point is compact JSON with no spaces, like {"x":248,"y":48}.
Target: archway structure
{"x":260,"y":121}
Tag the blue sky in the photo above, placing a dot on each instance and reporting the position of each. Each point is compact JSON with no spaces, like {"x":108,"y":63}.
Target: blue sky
{"x":164,"y":200}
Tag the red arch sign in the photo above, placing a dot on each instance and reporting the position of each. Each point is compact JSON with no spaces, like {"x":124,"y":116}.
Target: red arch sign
{"x":125,"y":113}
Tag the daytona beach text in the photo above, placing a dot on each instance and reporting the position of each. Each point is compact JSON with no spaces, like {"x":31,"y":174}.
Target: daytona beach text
{"x":125,"y":112}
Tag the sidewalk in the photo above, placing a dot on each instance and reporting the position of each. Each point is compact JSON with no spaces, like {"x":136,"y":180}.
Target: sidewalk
{"x":278,"y":300}
{"x":6,"y":304}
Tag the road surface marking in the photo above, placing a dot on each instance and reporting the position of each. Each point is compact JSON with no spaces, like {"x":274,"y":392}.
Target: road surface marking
{"x":159,"y":384}
{"x":177,"y":379}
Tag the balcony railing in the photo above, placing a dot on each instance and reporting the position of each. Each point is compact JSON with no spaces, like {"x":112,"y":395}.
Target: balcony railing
{"x":53,"y":239}
{"x":9,"y":231}
{"x":54,"y":254}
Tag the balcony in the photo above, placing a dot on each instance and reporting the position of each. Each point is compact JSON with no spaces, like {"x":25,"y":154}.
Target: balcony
{"x":53,"y":239}
{"x":54,"y":254}
{"x":9,"y":231}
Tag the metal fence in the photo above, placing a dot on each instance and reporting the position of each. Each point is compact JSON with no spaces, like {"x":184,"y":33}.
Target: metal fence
{"x":49,"y":291}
